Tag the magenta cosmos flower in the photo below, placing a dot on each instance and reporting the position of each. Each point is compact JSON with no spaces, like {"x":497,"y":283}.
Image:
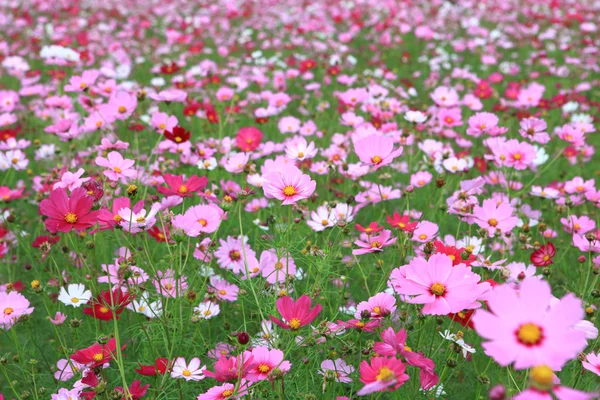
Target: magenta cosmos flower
{"x":295,"y":314}
{"x":493,"y":216}
{"x":65,"y":213}
{"x":289,"y":185}
{"x":382,"y":373}
{"x":523,"y":329}
{"x":373,"y":244}
{"x":203,"y":218}
{"x":376,"y":150}
{"x":442,"y":288}
{"x":177,"y":187}
{"x":264,"y":361}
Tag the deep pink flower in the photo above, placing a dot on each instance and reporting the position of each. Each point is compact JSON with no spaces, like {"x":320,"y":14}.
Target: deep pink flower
{"x":381,"y":374}
{"x":373,"y":243}
{"x":65,"y":213}
{"x":376,"y":150}
{"x":295,"y":314}
{"x":177,"y":187}
{"x":264,"y":361}
{"x":108,"y":219}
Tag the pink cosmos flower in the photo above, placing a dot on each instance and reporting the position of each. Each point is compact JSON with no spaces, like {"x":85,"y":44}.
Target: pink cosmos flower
{"x":58,"y":319}
{"x":264,"y":362}
{"x":420,"y":179}
{"x":295,"y":314}
{"x":71,"y":180}
{"x":425,"y":232}
{"x":231,"y":368}
{"x":373,"y":243}
{"x":224,"y":290}
{"x":12,"y":305}
{"x":519,"y":155}
{"x":275,"y":269}
{"x":190,"y":372}
{"x":163,"y":122}
{"x":495,"y":217}
{"x":441,"y":287}
{"x":534,"y":129}
{"x":378,"y":306}
{"x":65,"y":213}
{"x":177,"y":187}
{"x":381,"y":374}
{"x":199,"y":219}
{"x":376,"y":150}
{"x":169,"y":96}
{"x":135,"y":222}
{"x":119,"y":168}
{"x":123,"y":104}
{"x":579,"y":225}
{"x":108,"y":219}
{"x":290,"y":185}
{"x":480,"y":123}
{"x":523,"y":329}
{"x":66,"y":369}
{"x":450,"y":117}
{"x":170,"y":286}
{"x":445,"y":96}
{"x":337,"y":369}
{"x":83,"y":82}
{"x":592,"y":363}
{"x":299,"y":149}
{"x":226,"y":391}
{"x":232,"y":254}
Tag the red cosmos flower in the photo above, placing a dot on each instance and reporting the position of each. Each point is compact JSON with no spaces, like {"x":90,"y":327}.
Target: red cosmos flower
{"x":108,"y":304}
{"x":480,"y":164}
{"x":211,"y":114}
{"x":368,"y":326}
{"x":160,"y":367}
{"x":191,"y":109}
{"x":136,"y":390}
{"x":7,"y":194}
{"x":178,"y":135}
{"x":41,"y":240}
{"x":307,"y":65}
{"x":543,"y":256}
{"x":232,"y":368}
{"x":372,"y":228}
{"x":456,"y":255}
{"x":463,"y":318}
{"x":91,"y":379}
{"x":168,"y":69}
{"x":94,"y":188}
{"x":248,"y":138}
{"x":97,"y":354}
{"x":296,"y":314}
{"x":159,"y":235}
{"x":402,"y":222}
{"x":261,"y":120}
{"x":182,"y":189}
{"x":334,"y":70}
{"x":136,"y":126}
{"x":65,"y":213}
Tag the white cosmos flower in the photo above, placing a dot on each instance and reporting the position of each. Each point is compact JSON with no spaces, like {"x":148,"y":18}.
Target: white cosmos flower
{"x":142,"y":305}
{"x":415,"y":117}
{"x":74,"y":295}
{"x":459,"y":341}
{"x":209,"y":164}
{"x":207,"y":310}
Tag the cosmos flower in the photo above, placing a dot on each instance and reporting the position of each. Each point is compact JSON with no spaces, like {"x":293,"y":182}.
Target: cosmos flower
{"x":290,"y":185}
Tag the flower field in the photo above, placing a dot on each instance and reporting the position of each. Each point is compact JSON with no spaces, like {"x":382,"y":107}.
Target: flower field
{"x":299,"y":199}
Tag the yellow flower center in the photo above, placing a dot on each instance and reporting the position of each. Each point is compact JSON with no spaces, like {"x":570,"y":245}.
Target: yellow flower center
{"x":74,"y":300}
{"x":222,"y":292}
{"x":422,"y":236}
{"x":8,"y":311}
{"x":117,"y":170}
{"x":385,"y":374}
{"x":104,"y":310}
{"x":82,"y":85}
{"x":295,"y":323}
{"x":122,"y":109}
{"x":140,"y":220}
{"x":117,"y":218}
{"x":71,"y":218}
{"x":264,"y":368}
{"x":376,"y":310}
{"x":438,"y":289}
{"x":183,"y":189}
{"x":289,"y":190}
{"x":98,"y":124}
{"x":324,"y":222}
{"x":406,"y":348}
{"x":227,"y":393}
{"x":517,"y":156}
{"x":493,"y":222}
{"x":169,"y":286}
{"x":529,"y":334}
{"x":542,"y":375}
{"x":375,"y":244}
{"x":300,"y":154}
{"x":186,"y":372}
{"x":375,"y":159}
{"x":202,"y":222}
{"x":98,"y":357}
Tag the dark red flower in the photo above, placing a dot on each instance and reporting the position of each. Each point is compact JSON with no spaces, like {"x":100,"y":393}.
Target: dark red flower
{"x":178,"y":135}
{"x":159,"y":235}
{"x":41,"y":240}
{"x":543,"y":256}
{"x":97,"y":354}
{"x":168,"y":69}
{"x":307,"y":65}
{"x":160,"y":367}
{"x":177,"y":187}
{"x":136,"y":390}
{"x":211,"y":114}
{"x":95,"y":189}
{"x":369,"y":230}
{"x":402,"y":222}
{"x":108,"y":304}
{"x":463,"y":318}
{"x":248,"y":138}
